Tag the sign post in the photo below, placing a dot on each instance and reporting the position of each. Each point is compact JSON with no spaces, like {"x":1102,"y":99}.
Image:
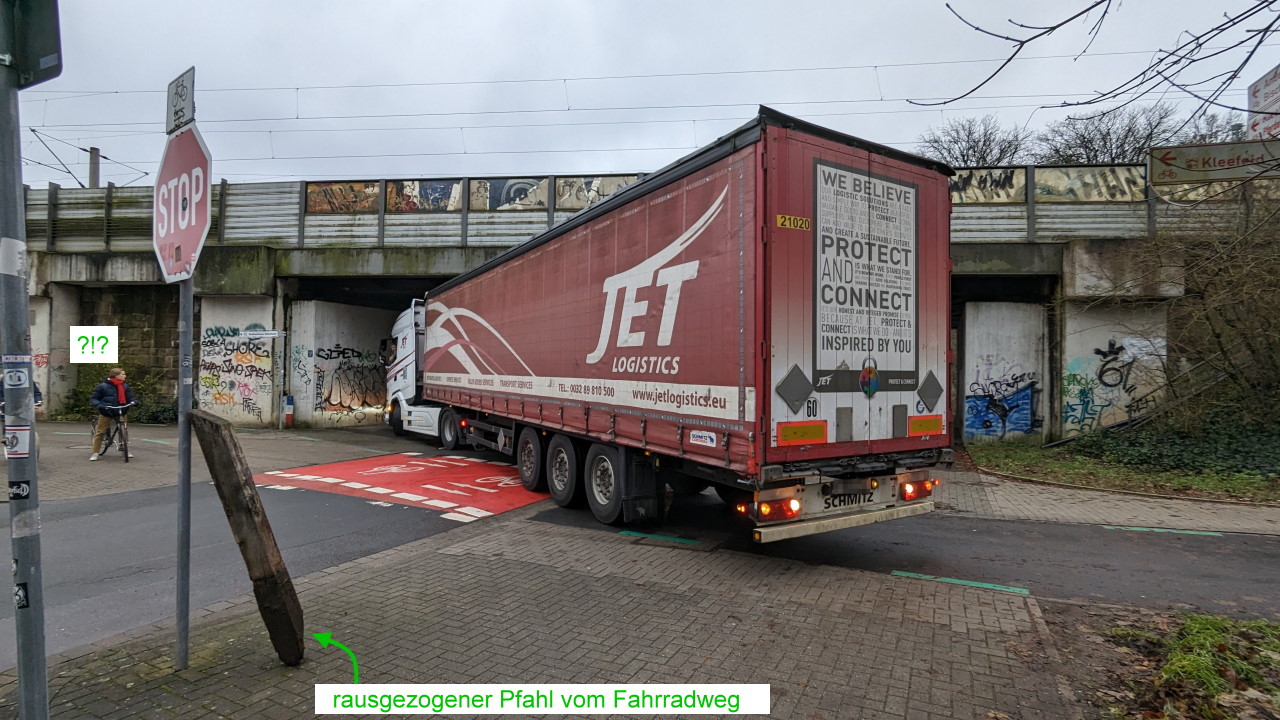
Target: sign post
{"x":31,"y":45}
{"x":180,"y":224}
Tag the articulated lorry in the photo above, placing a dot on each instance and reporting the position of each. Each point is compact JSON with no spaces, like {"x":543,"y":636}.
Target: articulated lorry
{"x":769,"y":315}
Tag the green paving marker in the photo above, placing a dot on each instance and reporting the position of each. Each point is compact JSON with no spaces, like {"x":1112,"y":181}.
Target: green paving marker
{"x":1163,"y":530}
{"x":70,"y":433}
{"x":304,"y":437}
{"x":632,"y":533}
{"x":326,"y":639}
{"x":970,"y":583}
{"x":158,"y":442}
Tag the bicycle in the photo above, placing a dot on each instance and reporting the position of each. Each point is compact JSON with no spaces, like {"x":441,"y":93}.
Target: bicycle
{"x":118,"y":433}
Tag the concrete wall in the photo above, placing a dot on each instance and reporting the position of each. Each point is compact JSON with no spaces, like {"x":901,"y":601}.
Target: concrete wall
{"x":39,"y":312}
{"x":1003,"y":370}
{"x":1113,"y":357}
{"x":147,"y":318}
{"x":334,"y":374}
{"x":237,"y":378}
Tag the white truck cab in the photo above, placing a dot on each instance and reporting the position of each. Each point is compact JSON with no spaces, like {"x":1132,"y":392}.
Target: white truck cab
{"x":406,"y":411}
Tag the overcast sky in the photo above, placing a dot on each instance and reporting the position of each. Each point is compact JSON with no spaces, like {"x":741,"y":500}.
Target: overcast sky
{"x":399,"y":89}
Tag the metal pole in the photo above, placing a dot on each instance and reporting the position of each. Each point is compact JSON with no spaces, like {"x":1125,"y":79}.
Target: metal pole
{"x":20,"y":440}
{"x":186,"y":312}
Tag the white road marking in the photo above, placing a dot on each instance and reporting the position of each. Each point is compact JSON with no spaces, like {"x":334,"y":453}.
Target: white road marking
{"x":442,"y":504}
{"x":328,"y":480}
{"x":455,"y":492}
{"x":279,"y":487}
{"x":358,"y":486}
{"x":475,"y":512}
{"x":409,"y":496}
{"x":380,"y":503}
{"x":473,"y":487}
{"x":459,"y":518}
{"x":380,"y":491}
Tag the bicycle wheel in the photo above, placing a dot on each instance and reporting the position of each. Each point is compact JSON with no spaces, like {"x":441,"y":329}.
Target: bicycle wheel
{"x":108,"y":439}
{"x":124,"y":440}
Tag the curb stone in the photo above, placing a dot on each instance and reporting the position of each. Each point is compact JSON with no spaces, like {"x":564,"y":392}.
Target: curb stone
{"x":1054,"y":483}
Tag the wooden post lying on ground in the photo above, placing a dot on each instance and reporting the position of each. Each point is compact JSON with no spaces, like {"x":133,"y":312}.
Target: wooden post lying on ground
{"x":277,"y":600}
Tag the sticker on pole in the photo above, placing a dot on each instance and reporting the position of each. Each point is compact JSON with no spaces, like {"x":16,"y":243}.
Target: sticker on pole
{"x":17,"y":441}
{"x":16,"y":378}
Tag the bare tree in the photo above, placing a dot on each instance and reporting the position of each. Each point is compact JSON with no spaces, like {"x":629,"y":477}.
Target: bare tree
{"x":976,"y":142}
{"x":1208,"y":128}
{"x":1119,"y":137}
{"x":1187,"y":67}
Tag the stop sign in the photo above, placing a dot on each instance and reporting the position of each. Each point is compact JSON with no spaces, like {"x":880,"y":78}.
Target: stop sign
{"x":182,"y":204}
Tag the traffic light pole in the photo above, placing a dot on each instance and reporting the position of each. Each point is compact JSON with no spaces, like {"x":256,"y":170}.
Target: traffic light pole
{"x":19,"y":437}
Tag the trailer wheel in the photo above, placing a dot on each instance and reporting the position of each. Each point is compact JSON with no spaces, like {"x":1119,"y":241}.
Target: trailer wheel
{"x":564,"y":471}
{"x":449,"y":430}
{"x":397,"y":422}
{"x":604,"y":483}
{"x":529,"y":460}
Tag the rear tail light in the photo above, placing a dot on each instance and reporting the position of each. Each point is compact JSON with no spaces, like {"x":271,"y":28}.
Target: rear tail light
{"x":770,"y":510}
{"x":917,"y":490}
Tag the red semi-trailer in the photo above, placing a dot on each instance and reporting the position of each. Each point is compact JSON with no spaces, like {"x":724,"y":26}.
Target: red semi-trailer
{"x":770,"y":315}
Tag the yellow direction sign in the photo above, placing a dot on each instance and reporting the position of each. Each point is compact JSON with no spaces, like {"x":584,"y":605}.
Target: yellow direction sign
{"x":1183,"y":164}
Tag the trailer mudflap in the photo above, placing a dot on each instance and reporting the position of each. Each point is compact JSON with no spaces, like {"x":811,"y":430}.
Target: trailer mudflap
{"x":800,"y":528}
{"x":641,"y":496}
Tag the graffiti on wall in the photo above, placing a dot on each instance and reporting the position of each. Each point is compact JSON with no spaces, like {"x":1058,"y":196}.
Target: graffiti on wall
{"x":509,"y":194}
{"x":1122,"y":183}
{"x":235,"y":374}
{"x":579,"y":192}
{"x":348,"y":385}
{"x":342,"y":197}
{"x":424,"y":195}
{"x":989,"y":185}
{"x":1111,"y":385}
{"x":1003,"y":400}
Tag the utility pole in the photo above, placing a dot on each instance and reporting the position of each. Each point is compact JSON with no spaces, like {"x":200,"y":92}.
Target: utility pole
{"x":36,"y":58}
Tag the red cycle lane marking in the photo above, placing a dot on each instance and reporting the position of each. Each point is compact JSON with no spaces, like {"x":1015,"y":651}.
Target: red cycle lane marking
{"x":462,"y":488}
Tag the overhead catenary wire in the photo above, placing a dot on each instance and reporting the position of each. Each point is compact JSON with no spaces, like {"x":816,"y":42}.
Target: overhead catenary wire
{"x":587,"y":78}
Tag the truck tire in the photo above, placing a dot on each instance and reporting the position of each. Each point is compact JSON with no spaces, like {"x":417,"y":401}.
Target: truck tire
{"x":529,"y":460}
{"x":397,"y":422}
{"x":603,"y":480}
{"x":449,"y":430}
{"x":564,"y":471}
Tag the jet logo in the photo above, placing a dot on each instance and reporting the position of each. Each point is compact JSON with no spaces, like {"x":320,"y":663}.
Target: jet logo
{"x":628,"y":283}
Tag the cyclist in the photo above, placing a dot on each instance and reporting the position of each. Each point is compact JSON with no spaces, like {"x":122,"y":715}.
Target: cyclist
{"x":109,"y":395}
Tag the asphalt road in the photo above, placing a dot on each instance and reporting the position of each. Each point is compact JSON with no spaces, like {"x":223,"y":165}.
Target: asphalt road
{"x":110,"y":561}
{"x":1232,"y":574}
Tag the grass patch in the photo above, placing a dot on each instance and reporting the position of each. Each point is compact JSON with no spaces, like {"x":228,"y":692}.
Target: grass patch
{"x":1067,"y":464}
{"x":1207,"y":668}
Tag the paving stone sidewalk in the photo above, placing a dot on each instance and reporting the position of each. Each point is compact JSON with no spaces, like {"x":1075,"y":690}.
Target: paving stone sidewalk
{"x":516,"y":600}
{"x":985,"y":496}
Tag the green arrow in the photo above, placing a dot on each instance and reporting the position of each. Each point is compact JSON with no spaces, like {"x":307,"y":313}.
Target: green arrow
{"x":326,"y":639}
